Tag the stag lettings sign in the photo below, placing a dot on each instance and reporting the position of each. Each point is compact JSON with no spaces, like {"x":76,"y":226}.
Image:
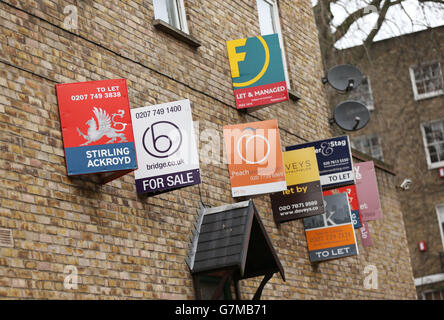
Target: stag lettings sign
{"x":96,"y":126}
{"x":165,"y":147}
{"x":257,"y":71}
{"x":334,"y":161}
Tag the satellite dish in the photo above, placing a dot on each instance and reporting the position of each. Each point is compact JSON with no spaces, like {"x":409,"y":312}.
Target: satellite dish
{"x":351,"y":115}
{"x":344,"y":77}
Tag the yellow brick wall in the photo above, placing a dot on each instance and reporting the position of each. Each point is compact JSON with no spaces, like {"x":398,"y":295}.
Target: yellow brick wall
{"x":126,"y":246}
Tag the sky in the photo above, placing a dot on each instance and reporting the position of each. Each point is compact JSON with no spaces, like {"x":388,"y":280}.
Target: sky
{"x":407,"y":17}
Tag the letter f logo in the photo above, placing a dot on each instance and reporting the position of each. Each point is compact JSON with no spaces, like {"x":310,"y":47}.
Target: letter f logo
{"x":235,"y":57}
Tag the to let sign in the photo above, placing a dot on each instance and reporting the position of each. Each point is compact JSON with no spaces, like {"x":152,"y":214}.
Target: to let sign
{"x":257,"y":71}
{"x":96,"y":127}
{"x":441,"y":172}
{"x":367,"y":191}
{"x":331,"y":235}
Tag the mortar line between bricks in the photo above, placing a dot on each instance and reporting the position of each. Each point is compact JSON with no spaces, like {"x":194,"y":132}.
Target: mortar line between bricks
{"x":69,"y":185}
{"x":93,"y":250}
{"x":86,"y":267}
{"x":103,"y":218}
{"x":133,"y":61}
{"x":26,"y":70}
{"x":98,"y":232}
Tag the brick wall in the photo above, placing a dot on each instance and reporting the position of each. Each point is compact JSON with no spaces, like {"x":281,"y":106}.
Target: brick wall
{"x":397,"y":119}
{"x":125,"y":246}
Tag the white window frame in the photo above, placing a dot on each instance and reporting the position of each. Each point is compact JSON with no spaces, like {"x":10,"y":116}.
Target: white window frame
{"x":369,"y":137}
{"x":277,"y":25}
{"x":180,"y":15}
{"x":370,"y":91}
{"x":430,"y":165}
{"x":433,"y":292}
{"x":426,"y":95}
{"x":439,"y":213}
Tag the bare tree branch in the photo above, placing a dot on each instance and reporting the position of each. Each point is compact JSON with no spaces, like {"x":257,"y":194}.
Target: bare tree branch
{"x":342,"y":29}
{"x":382,"y":14}
{"x":325,"y":17}
{"x":407,"y":14}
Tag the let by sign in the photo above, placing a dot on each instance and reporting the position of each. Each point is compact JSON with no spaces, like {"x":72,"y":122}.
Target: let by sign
{"x":303,"y":197}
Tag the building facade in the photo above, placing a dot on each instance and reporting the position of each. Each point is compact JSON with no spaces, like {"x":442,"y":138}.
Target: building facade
{"x":109,"y":242}
{"x":404,"y":90}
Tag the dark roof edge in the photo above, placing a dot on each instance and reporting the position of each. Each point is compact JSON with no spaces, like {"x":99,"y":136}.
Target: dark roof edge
{"x":396,"y":37}
{"x":378,"y":163}
{"x":268,"y":240}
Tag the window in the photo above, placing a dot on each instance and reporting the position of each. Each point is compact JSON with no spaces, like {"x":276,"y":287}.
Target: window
{"x":440,"y":213}
{"x":363,"y":93}
{"x":267,"y":18}
{"x":427,"y":80}
{"x":269,"y":23}
{"x":433,"y":295}
{"x":172,"y":12}
{"x":433,"y":136}
{"x":370,"y":144}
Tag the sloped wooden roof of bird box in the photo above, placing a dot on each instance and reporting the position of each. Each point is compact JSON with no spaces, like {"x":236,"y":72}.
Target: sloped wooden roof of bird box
{"x":232,"y":237}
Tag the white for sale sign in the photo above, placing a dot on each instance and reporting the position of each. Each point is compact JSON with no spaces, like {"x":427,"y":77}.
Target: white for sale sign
{"x":165,"y":147}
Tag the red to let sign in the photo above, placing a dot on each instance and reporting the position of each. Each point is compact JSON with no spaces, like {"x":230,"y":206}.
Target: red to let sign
{"x":441,"y":172}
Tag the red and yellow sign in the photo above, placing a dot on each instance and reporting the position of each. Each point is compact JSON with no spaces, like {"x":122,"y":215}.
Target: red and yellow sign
{"x":254,"y":158}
